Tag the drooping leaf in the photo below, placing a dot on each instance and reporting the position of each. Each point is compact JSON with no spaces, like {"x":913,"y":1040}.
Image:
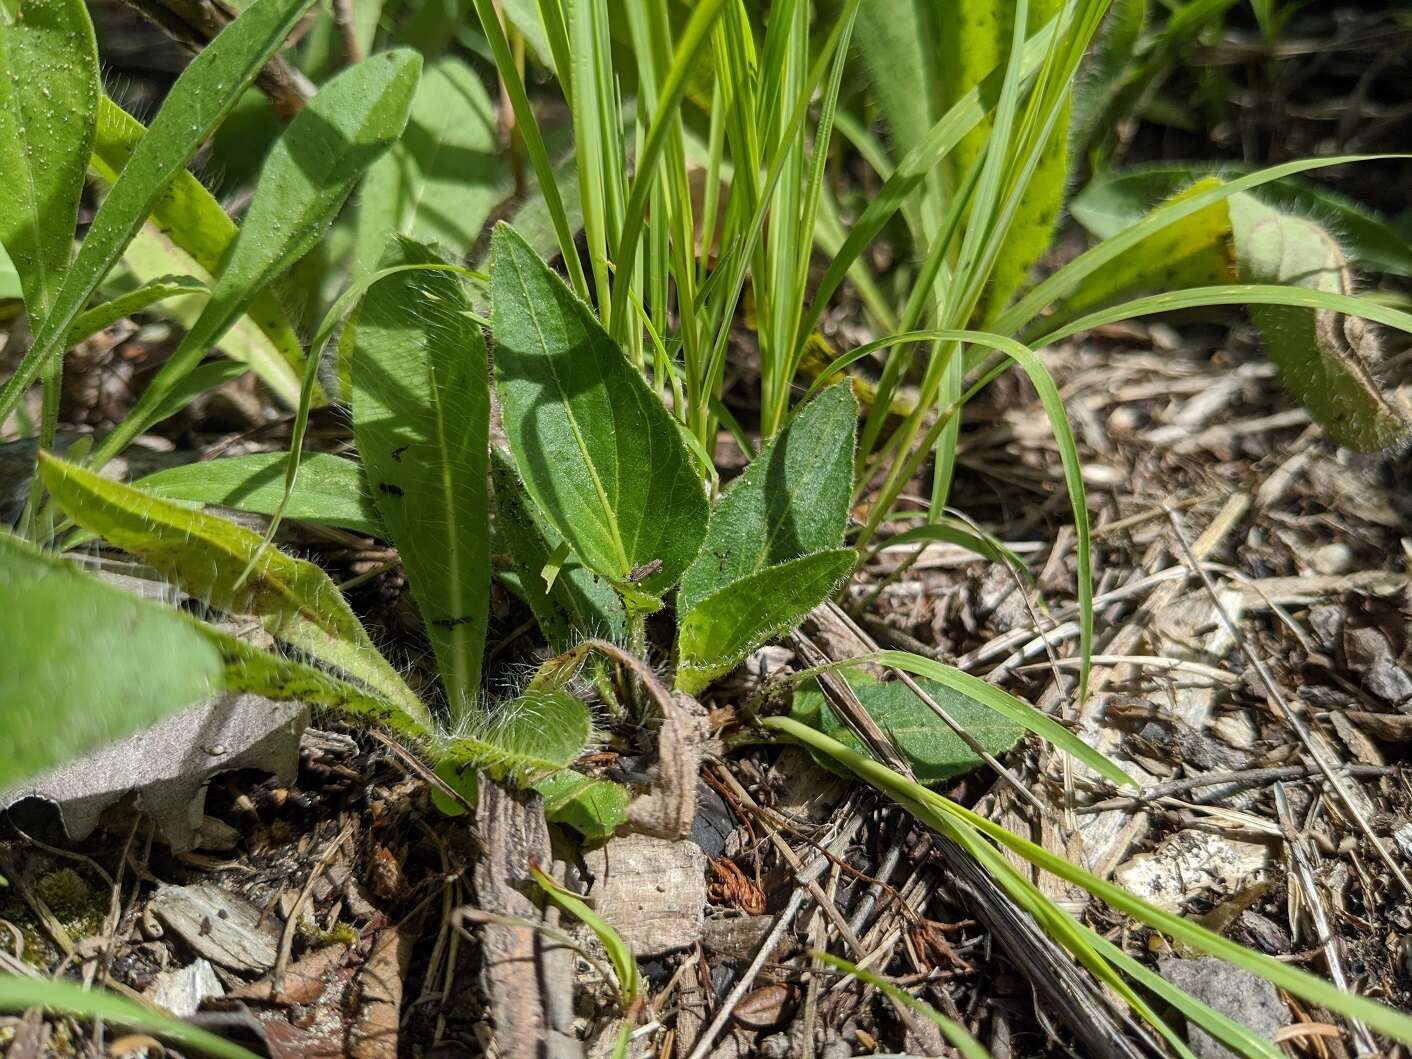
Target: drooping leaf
{"x":596,"y":449}
{"x":330,"y":490}
{"x":421,"y":416}
{"x":1324,"y":357}
{"x":441,"y":180}
{"x":70,"y":998}
{"x":624,"y":963}
{"x":189,"y":222}
{"x":1194,"y":251}
{"x":48,"y":112}
{"x":88,"y":663}
{"x":202,"y":95}
{"x":1117,"y":200}
{"x":526,"y":739}
{"x":591,"y":806}
{"x":791,"y":500}
{"x":579,"y":602}
{"x":934,"y":751}
{"x":206,"y":555}
{"x":310,"y":172}
{"x":728,"y":624}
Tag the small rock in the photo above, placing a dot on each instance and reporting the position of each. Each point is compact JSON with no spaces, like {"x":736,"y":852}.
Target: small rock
{"x":1388,"y":681}
{"x":1331,"y":559}
{"x":225,"y":929}
{"x":652,"y":890}
{"x":762,"y":1008}
{"x":1189,"y":862}
{"x":1235,"y":993}
{"x":182,"y":991}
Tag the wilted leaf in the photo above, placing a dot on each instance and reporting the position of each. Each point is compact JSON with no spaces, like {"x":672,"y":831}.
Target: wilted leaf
{"x":202,"y":95}
{"x":791,"y":500}
{"x":308,"y":175}
{"x":579,"y":602}
{"x":934,"y":751}
{"x":525,"y":739}
{"x":87,"y":662}
{"x":421,"y":416}
{"x":207,"y":555}
{"x":1323,"y":356}
{"x":48,"y":112}
{"x":730,"y":623}
{"x":440,"y":181}
{"x":595,"y":447}
{"x":330,"y":490}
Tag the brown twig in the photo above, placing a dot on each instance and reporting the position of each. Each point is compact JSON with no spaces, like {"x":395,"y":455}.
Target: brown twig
{"x":291,"y":925}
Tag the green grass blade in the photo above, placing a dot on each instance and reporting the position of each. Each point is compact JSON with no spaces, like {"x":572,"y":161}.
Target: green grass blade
{"x":91,"y":321}
{"x":624,"y":963}
{"x":201,"y":97}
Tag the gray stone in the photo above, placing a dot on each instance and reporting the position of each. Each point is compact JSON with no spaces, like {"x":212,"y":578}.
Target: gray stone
{"x":1235,"y":993}
{"x":167,"y":767}
{"x":181,"y":991}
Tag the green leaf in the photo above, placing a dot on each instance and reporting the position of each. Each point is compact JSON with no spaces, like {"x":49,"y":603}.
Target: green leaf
{"x":1323,"y":356}
{"x":934,"y":751}
{"x":421,"y":416}
{"x":624,"y":963}
{"x":88,"y":662}
{"x":892,"y":40}
{"x":206,"y":555}
{"x":124,"y":305}
{"x":70,"y":998}
{"x":48,"y":113}
{"x":190,"y":224}
{"x":310,"y":172}
{"x":593,"y":807}
{"x":791,"y":500}
{"x":730,"y":623}
{"x":1117,"y":200}
{"x":9,"y":279}
{"x":443,"y":177}
{"x":1194,"y":251}
{"x":526,"y":739}
{"x":330,"y":490}
{"x":202,"y":95}
{"x":1105,"y":75}
{"x":595,"y":447}
{"x":579,"y":603}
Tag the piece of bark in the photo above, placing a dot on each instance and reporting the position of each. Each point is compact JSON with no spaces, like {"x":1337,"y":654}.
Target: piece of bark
{"x":380,"y":982}
{"x":223,"y":927}
{"x":652,"y":890}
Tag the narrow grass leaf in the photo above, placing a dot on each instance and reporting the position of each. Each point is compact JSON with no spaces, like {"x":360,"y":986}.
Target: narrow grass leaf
{"x":91,"y":321}
{"x":730,"y":623}
{"x":310,"y":172}
{"x":421,"y":417}
{"x":88,"y":662}
{"x":48,"y":113}
{"x":443,"y":178}
{"x":206,"y":555}
{"x":624,"y":963}
{"x":791,"y":500}
{"x":69,"y":998}
{"x":202,"y":95}
{"x":594,"y":445}
{"x":330,"y":490}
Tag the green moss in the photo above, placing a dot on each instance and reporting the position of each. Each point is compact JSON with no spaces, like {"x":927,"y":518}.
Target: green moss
{"x":75,"y":904}
{"x":340,"y":933}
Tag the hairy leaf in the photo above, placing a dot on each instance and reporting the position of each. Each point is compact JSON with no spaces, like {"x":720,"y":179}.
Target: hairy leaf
{"x":188,"y":220}
{"x":421,"y":416}
{"x":593,"y":807}
{"x":791,"y":500}
{"x":1323,"y":356}
{"x":48,"y":112}
{"x":526,"y":739}
{"x":330,"y":490}
{"x":88,"y":663}
{"x":295,"y":600}
{"x":595,"y":447}
{"x":579,"y":603}
{"x":310,"y":172}
{"x":730,"y":623}
{"x":443,"y":177}
{"x":202,"y":95}
{"x":1104,"y":78}
{"x":931,"y":747}
{"x":1117,"y":200}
